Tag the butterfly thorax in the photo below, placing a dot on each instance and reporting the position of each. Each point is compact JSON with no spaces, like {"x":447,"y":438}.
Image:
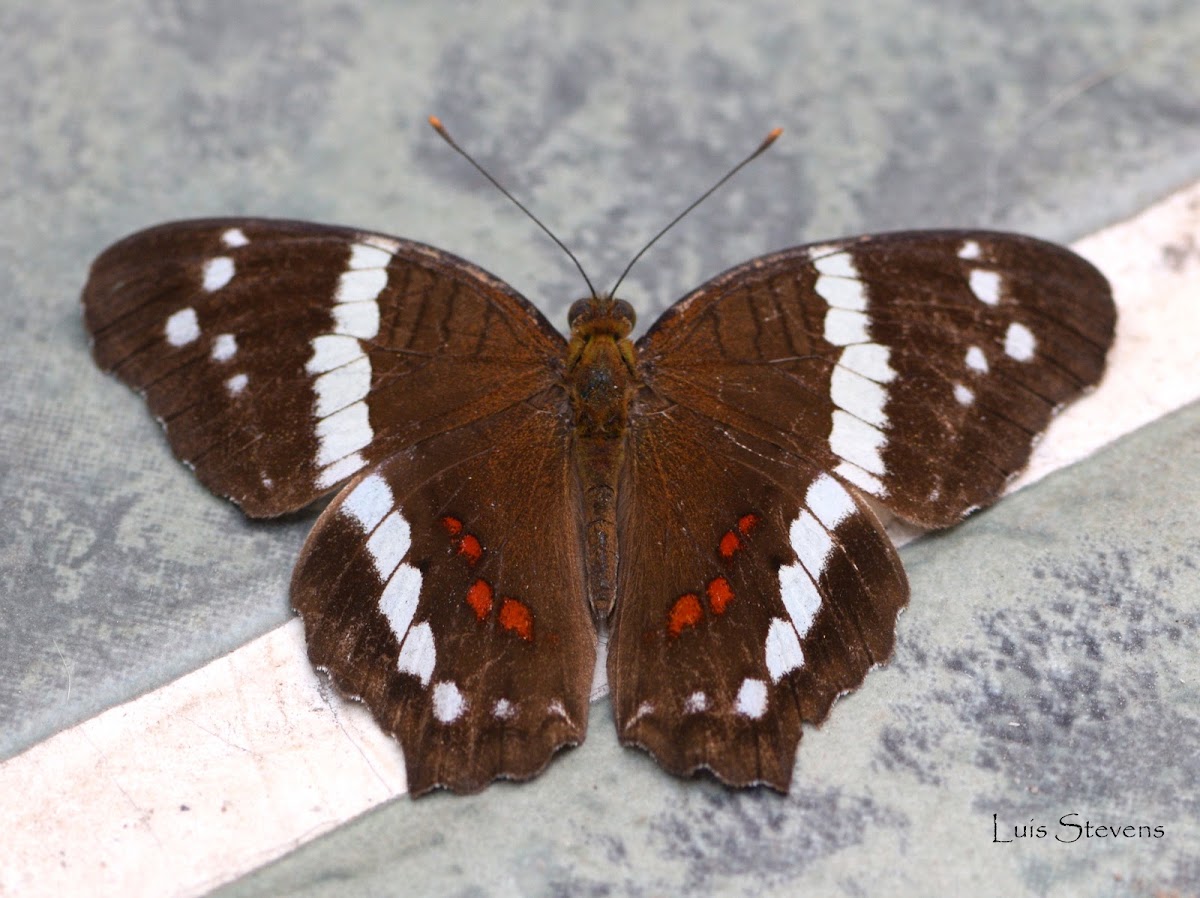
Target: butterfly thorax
{"x":601,"y":376}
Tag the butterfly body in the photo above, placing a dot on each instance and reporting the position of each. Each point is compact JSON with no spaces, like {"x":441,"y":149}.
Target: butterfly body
{"x":702,"y":490}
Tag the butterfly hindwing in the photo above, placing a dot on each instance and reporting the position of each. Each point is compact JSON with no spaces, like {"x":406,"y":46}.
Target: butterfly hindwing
{"x":918,"y":366}
{"x":445,"y":588}
{"x":283,"y":357}
{"x":752,"y":595}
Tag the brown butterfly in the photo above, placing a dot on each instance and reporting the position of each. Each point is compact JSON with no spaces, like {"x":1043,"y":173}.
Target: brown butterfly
{"x":702,"y":491}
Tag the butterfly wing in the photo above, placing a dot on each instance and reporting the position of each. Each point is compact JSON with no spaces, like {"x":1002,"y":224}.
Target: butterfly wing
{"x":283,"y":357}
{"x":746,"y":606}
{"x":918,"y":366}
{"x":444,"y":587}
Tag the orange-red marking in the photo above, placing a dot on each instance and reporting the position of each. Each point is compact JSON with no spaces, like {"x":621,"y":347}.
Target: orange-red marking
{"x":470,"y":548}
{"x":720,"y":594}
{"x":516,"y":618}
{"x":746,"y":523}
{"x":479,"y":597}
{"x":686,"y":612}
{"x":453,"y":526}
{"x":729,"y":545}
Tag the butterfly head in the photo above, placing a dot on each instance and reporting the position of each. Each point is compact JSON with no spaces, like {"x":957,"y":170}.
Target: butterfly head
{"x":596,"y":316}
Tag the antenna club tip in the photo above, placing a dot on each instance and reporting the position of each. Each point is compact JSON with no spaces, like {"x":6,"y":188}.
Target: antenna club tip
{"x":436,"y":123}
{"x":775,"y":132}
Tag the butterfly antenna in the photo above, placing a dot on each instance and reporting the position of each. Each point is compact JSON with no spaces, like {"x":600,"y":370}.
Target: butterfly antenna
{"x":762,"y":148}
{"x":445,"y":135}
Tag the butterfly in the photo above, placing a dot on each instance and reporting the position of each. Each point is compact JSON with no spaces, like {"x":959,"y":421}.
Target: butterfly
{"x":705,"y":491}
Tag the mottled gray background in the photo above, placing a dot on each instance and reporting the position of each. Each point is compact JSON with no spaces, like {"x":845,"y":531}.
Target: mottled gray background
{"x":1048,"y":661}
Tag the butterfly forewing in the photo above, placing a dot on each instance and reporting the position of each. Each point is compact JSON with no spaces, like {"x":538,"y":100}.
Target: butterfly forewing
{"x":918,"y":366}
{"x":283,"y":357}
{"x":445,"y":588}
{"x":755,"y":589}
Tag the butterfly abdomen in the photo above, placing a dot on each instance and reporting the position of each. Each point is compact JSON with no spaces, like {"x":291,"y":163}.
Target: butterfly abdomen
{"x":601,"y":378}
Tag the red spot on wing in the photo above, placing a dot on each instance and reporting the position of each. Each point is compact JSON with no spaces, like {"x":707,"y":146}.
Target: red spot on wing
{"x":746,"y":523}
{"x":515,"y":617}
{"x":729,"y":545}
{"x":686,"y":612}
{"x":470,"y":548}
{"x":479,"y":597}
{"x":453,"y":526}
{"x":720,"y":594}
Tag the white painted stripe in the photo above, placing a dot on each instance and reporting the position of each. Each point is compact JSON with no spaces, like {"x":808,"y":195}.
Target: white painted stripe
{"x":234,"y":238}
{"x":335,"y":473}
{"x":332,"y":351}
{"x":342,"y":386}
{"x":399,"y":599}
{"x":752,"y":699}
{"x":418,"y":655}
{"x":837,"y":264}
{"x":964,"y":395}
{"x":812,"y":544}
{"x":1019,"y":342}
{"x":857,"y":442}
{"x":976,"y":360}
{"x":843,"y":293}
{"x":182,"y":327}
{"x":369,"y":502}
{"x":448,"y":702}
{"x":389,"y":544}
{"x":829,"y":501}
{"x":854,"y":474}
{"x":224,"y":347}
{"x":364,"y":256}
{"x":236,"y":384}
{"x":361,"y":285}
{"x":239,"y":742}
{"x":217,"y":273}
{"x":782,"y":649}
{"x":986,"y":286}
{"x":695,"y":703}
{"x":343,"y":432}
{"x":871,"y":360}
{"x":970,"y":250}
{"x":859,"y":396}
{"x":801,"y":598}
{"x":356,"y":319}
{"x":843,"y":327}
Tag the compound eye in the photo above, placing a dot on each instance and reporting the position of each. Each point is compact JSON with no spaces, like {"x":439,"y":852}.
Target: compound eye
{"x":622,"y":309}
{"x":578,"y":308}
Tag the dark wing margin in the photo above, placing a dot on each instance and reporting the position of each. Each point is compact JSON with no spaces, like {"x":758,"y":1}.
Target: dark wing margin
{"x":282,"y":357}
{"x":444,"y":587}
{"x":918,"y":366}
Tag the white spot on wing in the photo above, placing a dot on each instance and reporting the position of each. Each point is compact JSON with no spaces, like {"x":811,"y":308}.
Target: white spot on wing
{"x":811,"y":543}
{"x":236,"y":384}
{"x":448,"y":702}
{"x":340,"y":470}
{"x":970,"y":250}
{"x":859,"y":396}
{"x":364,"y":256}
{"x":642,"y":710}
{"x":182,"y":327}
{"x":503,"y":709}
{"x":356,"y":319}
{"x":398,"y":601}
{"x":389,"y":544}
{"x":332,"y":351}
{"x":418,"y":654}
{"x":986,"y":286}
{"x":836,"y":264}
{"x":976,"y":360}
{"x":842,"y":293}
{"x":752,"y":698}
{"x":369,"y":502}
{"x":829,"y":501}
{"x":343,"y":432}
{"x":857,"y":442}
{"x":217,"y":273}
{"x":234,"y":238}
{"x":1019,"y":342}
{"x":224,"y":347}
{"x":843,"y":327}
{"x":870,"y":360}
{"x":695,"y":703}
{"x":385,"y":243}
{"x":782,"y":649}
{"x":361,"y":285}
{"x":556,"y":708}
{"x":849,"y":471}
{"x":800,"y":595}
{"x":964,"y":395}
{"x":342,"y":386}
